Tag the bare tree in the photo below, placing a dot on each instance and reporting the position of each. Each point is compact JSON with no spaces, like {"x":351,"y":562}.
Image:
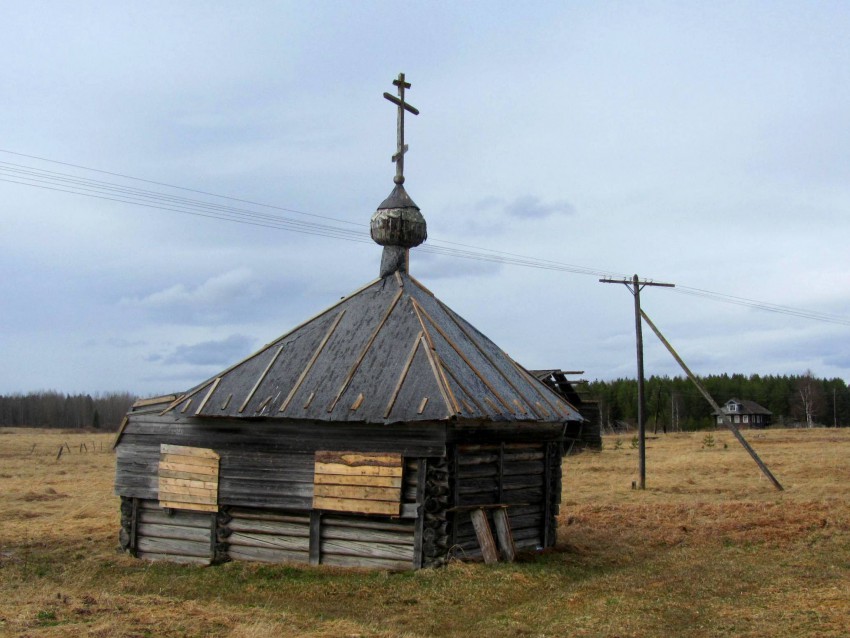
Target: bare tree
{"x":808,"y":397}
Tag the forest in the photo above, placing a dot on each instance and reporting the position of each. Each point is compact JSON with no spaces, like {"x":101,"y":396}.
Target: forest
{"x":51,"y":409}
{"x":672,"y":403}
{"x":675,"y":404}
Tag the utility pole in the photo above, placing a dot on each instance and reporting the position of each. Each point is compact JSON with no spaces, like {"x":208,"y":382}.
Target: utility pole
{"x":635,"y":285}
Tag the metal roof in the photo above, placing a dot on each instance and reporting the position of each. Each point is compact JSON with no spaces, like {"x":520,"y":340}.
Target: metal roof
{"x":749,"y":407}
{"x":389,"y":352}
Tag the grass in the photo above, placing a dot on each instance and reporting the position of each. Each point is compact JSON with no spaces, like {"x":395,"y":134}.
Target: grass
{"x":708,"y":549}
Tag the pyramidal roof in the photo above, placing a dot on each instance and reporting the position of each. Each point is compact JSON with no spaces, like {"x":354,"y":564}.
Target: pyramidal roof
{"x":389,"y":352}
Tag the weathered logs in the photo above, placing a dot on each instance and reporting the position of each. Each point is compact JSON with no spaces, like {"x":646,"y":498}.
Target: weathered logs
{"x":435,"y":539}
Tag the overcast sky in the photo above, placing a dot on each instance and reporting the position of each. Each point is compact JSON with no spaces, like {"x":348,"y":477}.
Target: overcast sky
{"x":705,"y":144}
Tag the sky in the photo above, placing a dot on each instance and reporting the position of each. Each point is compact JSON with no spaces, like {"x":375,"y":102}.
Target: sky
{"x":702,"y":144}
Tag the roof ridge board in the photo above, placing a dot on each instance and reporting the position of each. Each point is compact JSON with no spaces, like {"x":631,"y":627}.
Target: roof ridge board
{"x":419,"y":284}
{"x":453,"y":316}
{"x":188,"y":395}
{"x":311,"y":362}
{"x":365,"y":350}
{"x":335,"y":361}
{"x":405,"y":369}
{"x":546,"y":393}
{"x":460,"y":355}
{"x":429,"y":350}
{"x":260,"y":379}
{"x":430,"y":354}
{"x":210,"y":392}
{"x":289,"y":333}
{"x":441,"y":369}
{"x":195,"y":389}
{"x":342,"y":300}
{"x":463,"y":389}
{"x":466,"y":360}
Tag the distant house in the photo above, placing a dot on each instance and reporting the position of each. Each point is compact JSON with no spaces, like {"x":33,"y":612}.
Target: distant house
{"x":743,"y":412}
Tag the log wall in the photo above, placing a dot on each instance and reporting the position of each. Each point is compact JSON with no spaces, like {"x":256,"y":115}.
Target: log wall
{"x":271,"y":536}
{"x":263,"y":464}
{"x":522,"y":476}
{"x":178,"y":536}
{"x":266,"y":536}
{"x":266,"y":488}
{"x":380,"y":543}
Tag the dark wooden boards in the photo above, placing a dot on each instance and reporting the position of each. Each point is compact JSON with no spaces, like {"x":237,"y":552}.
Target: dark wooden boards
{"x":172,"y":535}
{"x":518,"y":475}
{"x":267,"y":536}
{"x":358,"y":542}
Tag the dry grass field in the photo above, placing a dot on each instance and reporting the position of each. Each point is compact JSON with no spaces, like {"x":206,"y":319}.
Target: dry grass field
{"x":709,"y":549}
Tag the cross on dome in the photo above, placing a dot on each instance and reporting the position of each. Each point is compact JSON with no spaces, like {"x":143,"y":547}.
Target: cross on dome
{"x":403,"y":106}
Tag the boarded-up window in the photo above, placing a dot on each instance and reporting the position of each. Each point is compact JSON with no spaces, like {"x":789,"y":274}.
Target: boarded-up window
{"x":358,"y":483}
{"x":188,"y":478}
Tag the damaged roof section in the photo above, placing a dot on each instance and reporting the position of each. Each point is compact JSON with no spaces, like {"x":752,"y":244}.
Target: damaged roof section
{"x":390,"y":352}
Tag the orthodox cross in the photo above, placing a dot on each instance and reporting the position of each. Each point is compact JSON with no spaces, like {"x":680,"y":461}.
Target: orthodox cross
{"x":403,"y":106}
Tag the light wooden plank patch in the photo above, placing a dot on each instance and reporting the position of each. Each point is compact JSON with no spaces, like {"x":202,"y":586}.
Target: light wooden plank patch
{"x":188,"y":460}
{"x":188,"y":478}
{"x":181,"y":482}
{"x":358,"y":482}
{"x":355,"y":459}
{"x":361,"y":470}
{"x":165,"y":488}
{"x":372,"y":481}
{"x":355,"y":506}
{"x":178,"y":497}
{"x":183,"y":450}
{"x":185,"y":467}
{"x":359,"y":492}
{"x":189,"y":506}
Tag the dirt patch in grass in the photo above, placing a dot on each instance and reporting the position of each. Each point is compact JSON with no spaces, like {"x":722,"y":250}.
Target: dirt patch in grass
{"x":48,"y":494}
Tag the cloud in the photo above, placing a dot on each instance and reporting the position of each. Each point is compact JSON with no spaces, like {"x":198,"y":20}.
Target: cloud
{"x":494,"y":216}
{"x":228,"y":287}
{"x":218,"y":297}
{"x":208,"y":353}
{"x":529,"y":206}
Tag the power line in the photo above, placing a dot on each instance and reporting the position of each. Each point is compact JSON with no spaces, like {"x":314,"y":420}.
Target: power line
{"x":763,"y":305}
{"x":73,"y":184}
{"x":68,"y":183}
{"x":182,"y":188}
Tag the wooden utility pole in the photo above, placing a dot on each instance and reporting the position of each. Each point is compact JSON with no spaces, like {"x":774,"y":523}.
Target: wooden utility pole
{"x":726,"y":420}
{"x":635,"y":285}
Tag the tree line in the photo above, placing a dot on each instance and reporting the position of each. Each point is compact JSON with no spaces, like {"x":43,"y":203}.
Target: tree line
{"x":50,"y":409}
{"x":675,"y":403}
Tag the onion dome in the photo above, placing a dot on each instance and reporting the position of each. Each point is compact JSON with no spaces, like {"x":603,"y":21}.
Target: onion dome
{"x":398,"y":225}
